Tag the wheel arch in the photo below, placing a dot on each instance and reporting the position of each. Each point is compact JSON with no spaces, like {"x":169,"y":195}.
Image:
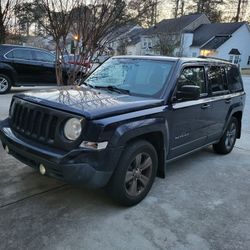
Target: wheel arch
{"x":157,"y":140}
{"x":9,"y":73}
{"x":153,"y":130}
{"x":238,"y":116}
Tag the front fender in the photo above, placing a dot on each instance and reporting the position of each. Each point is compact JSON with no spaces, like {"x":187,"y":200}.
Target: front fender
{"x":155,"y":130}
{"x":131,"y":130}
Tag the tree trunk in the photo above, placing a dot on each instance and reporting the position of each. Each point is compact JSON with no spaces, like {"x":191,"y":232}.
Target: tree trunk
{"x":176,"y":8}
{"x":59,"y":73}
{"x":237,"y":17}
{"x":2,"y":33}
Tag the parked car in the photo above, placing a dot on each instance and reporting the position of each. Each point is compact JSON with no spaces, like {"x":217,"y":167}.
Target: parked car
{"x":130,"y":118}
{"x":77,"y":60}
{"x":26,"y":66}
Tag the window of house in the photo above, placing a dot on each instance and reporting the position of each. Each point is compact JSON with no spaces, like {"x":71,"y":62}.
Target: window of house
{"x":234,"y":79}
{"x":194,"y":54}
{"x":248,"y":62}
{"x":237,"y":59}
{"x":192,"y":76}
{"x":231,"y":57}
{"x":217,"y":82}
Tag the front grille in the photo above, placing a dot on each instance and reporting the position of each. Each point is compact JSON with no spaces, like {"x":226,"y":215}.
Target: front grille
{"x":33,"y":122}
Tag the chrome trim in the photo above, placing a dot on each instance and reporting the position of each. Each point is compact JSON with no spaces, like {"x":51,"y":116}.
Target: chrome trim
{"x":205,"y":100}
{"x":5,"y":55}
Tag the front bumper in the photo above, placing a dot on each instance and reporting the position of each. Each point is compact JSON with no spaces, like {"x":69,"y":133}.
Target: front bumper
{"x":81,"y":167}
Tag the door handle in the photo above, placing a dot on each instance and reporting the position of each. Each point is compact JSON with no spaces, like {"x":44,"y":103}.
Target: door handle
{"x":205,"y":106}
{"x":228,"y":100}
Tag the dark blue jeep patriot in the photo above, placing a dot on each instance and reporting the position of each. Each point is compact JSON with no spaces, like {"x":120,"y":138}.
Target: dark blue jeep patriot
{"x":127,"y":120}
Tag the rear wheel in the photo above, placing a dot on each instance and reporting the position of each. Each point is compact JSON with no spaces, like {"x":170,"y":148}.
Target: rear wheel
{"x":5,"y":84}
{"x":135,"y":173}
{"x":228,"y":139}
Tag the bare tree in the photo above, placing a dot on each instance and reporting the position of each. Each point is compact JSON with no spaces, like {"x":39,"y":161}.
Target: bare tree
{"x":6,"y":13}
{"x":179,"y":8}
{"x":165,"y":44}
{"x":148,"y":10}
{"x":59,"y":15}
{"x":209,"y":7}
{"x":90,"y":23}
{"x":241,"y":10}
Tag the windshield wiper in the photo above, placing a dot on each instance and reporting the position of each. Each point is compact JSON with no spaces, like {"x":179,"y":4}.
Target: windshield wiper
{"x":113,"y":88}
{"x":87,"y":84}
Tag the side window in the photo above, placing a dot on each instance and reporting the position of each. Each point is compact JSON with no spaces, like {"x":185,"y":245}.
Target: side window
{"x":9,"y":55}
{"x":193,"y":76}
{"x":217,"y":79}
{"x":43,"y":56}
{"x":234,"y":79}
{"x":23,"y":54}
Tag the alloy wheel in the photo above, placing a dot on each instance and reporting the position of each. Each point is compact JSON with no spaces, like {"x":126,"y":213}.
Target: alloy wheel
{"x":230,"y":136}
{"x":3,"y":84}
{"x":138,"y":174}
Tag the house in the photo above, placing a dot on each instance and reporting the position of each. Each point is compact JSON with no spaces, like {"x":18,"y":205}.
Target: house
{"x":229,"y":41}
{"x":167,"y":32}
{"x":117,"y":40}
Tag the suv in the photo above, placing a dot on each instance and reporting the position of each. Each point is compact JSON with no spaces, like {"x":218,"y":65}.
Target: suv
{"x":129,"y":118}
{"x":25,"y":66}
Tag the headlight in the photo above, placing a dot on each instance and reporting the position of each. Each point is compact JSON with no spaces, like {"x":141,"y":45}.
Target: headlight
{"x":73,"y":129}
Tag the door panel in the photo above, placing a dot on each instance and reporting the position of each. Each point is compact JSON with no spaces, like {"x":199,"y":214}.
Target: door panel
{"x":21,"y":60}
{"x":45,"y":67}
{"x":189,"y":117}
{"x":218,"y":87}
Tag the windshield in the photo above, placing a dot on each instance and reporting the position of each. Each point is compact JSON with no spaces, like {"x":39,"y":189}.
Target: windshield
{"x":138,"y":76}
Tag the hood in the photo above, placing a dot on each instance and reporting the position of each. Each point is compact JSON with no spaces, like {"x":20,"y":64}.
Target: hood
{"x":89,"y":102}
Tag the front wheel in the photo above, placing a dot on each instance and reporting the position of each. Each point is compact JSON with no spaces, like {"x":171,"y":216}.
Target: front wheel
{"x":228,"y":139}
{"x":135,"y":174}
{"x":5,"y":84}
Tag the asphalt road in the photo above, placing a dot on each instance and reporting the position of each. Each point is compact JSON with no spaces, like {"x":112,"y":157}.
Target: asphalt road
{"x":204,"y":203}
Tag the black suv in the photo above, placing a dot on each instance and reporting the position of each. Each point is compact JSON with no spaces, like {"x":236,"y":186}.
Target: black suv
{"x":25,"y":66}
{"x":129,"y":118}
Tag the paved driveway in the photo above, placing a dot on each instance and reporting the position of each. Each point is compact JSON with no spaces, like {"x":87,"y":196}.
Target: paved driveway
{"x":203,"y":203}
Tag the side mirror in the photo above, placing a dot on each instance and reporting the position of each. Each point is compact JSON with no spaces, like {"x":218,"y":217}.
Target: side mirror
{"x":188,"y":92}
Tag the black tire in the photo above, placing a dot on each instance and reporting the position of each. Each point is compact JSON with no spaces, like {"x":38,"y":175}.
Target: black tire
{"x":228,"y":139}
{"x":5,"y":84}
{"x":138,"y":164}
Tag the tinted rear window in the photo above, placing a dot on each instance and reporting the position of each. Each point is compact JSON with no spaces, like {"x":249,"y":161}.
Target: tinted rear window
{"x":234,"y":79}
{"x":217,"y":79}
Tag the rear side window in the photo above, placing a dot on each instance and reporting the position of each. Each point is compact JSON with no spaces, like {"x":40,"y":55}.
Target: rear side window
{"x":23,"y":54}
{"x":44,"y":57}
{"x":217,"y":79}
{"x":234,"y":79}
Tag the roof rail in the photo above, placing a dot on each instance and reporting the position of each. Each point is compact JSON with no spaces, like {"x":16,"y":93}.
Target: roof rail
{"x":214,"y":58}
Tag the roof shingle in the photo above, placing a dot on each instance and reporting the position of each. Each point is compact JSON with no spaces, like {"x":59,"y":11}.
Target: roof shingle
{"x":207,"y":31}
{"x":174,"y":25}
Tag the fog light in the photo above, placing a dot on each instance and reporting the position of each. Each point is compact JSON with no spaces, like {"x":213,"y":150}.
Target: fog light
{"x":7,"y":149}
{"x":42,"y":169}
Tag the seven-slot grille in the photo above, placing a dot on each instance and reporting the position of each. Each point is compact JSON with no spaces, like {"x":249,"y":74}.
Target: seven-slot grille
{"x":33,"y":122}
